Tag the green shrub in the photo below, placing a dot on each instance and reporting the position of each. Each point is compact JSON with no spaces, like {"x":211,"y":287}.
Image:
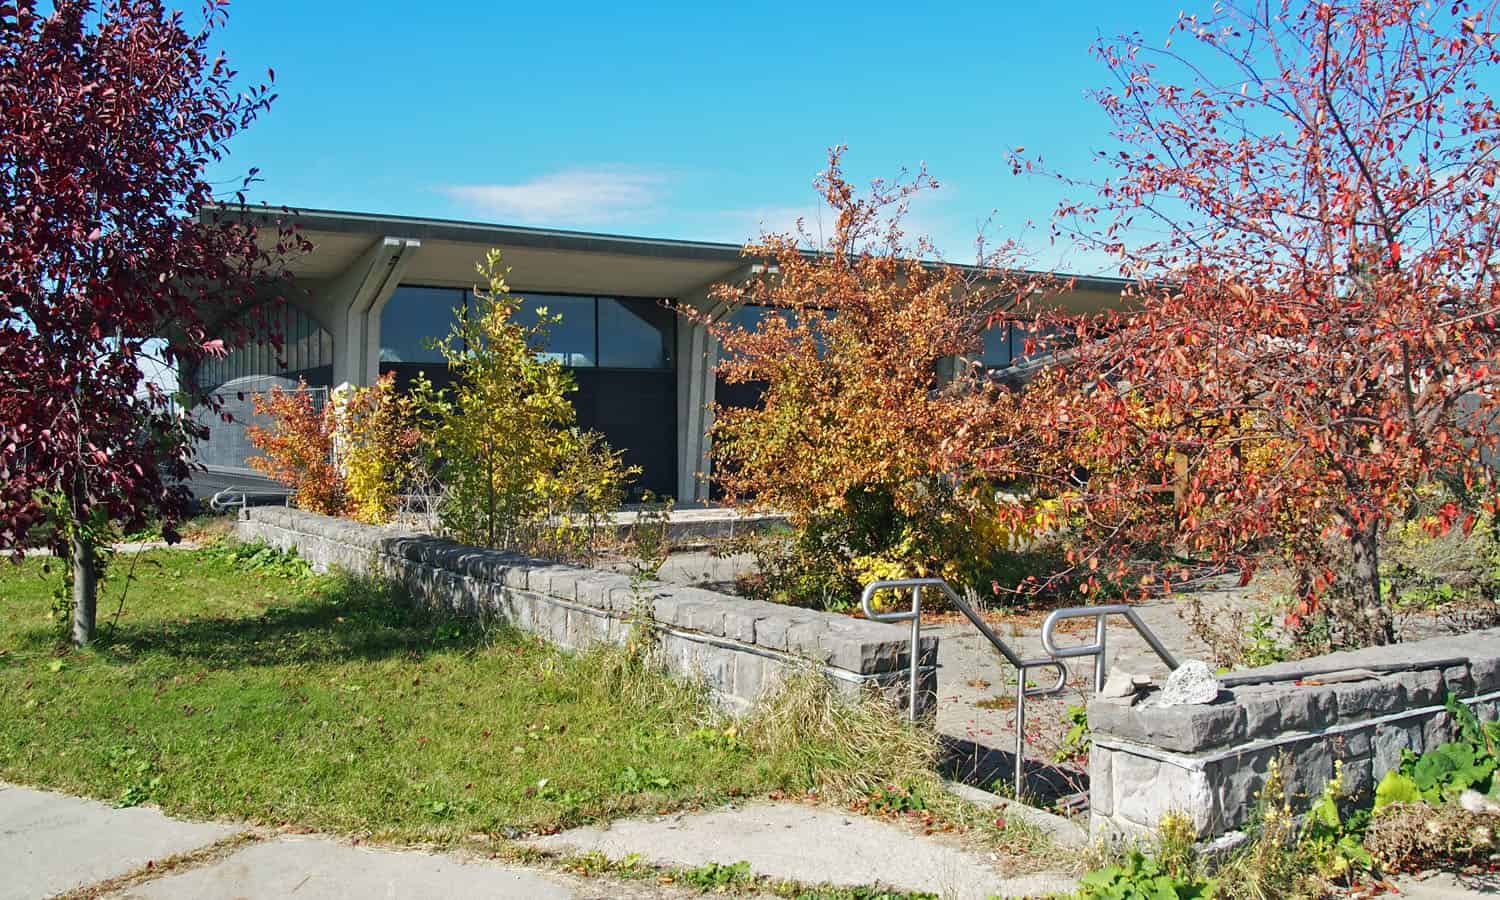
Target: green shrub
{"x":517,"y":470}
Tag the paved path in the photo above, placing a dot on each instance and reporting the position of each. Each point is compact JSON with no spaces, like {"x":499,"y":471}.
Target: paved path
{"x":51,"y":843}
{"x":321,"y":869}
{"x":976,"y":706}
{"x":55,"y":844}
{"x":809,"y":844}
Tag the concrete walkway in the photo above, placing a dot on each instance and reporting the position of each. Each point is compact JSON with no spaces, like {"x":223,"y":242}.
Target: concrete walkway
{"x":976,"y":688}
{"x":53,"y":844}
{"x":808,"y":844}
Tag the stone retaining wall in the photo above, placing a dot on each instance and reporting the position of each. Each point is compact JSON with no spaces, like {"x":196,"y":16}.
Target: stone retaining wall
{"x":1210,"y":761}
{"x":738,"y":646}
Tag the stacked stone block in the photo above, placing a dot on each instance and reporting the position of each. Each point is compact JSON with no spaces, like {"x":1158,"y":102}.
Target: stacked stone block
{"x":739,"y":647}
{"x":1210,"y":761}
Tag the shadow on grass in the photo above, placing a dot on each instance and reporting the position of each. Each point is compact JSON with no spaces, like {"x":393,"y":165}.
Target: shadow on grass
{"x":354,"y":619}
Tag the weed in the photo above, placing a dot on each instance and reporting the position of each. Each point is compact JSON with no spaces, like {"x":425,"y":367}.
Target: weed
{"x":1076,"y":742}
{"x":1138,"y":877}
{"x":128,"y":766}
{"x":259,"y":558}
{"x":649,"y":537}
{"x":635,"y":781}
{"x":897,"y":799}
{"x":718,"y":875}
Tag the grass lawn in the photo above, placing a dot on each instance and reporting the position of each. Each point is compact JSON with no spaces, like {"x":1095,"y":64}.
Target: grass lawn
{"x":239,"y":685}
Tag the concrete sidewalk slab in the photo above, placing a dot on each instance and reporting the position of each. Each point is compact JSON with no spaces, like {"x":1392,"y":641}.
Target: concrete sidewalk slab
{"x":321,"y":869}
{"x":1447,"y":886}
{"x":808,"y":844}
{"x":51,"y":843}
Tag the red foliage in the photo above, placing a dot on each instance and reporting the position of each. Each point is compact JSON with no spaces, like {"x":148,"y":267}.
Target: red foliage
{"x":110,"y":116}
{"x":1307,"y":192}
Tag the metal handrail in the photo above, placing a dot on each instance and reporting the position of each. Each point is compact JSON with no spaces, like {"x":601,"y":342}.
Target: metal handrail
{"x":227,"y":498}
{"x":232,"y":497}
{"x":1099,"y":648}
{"x":1022,"y":666}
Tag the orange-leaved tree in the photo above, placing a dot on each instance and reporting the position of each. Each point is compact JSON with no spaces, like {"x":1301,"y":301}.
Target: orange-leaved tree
{"x":855,"y":355}
{"x":298,"y":448}
{"x":1307,"y":193}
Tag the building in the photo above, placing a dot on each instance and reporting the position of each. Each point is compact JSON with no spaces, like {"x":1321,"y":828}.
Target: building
{"x":376,"y":288}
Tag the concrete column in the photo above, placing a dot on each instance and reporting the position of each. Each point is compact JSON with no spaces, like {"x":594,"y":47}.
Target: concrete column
{"x":348,"y":306}
{"x":698,"y":357}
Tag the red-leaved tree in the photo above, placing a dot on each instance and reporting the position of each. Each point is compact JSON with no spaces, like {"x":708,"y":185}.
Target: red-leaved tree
{"x":109,"y":114}
{"x":1308,"y":193}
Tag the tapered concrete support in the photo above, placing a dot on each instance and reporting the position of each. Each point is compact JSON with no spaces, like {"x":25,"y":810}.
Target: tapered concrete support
{"x":348,"y":307}
{"x":697,"y":358}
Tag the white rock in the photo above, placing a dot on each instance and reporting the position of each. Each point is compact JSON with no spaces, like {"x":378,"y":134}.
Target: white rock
{"x":1476,"y":802}
{"x":1190,"y":683}
{"x":1118,"y":684}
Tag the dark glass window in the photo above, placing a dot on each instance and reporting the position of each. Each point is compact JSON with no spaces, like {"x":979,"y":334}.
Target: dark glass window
{"x":997,"y":351}
{"x":574,"y":340}
{"x":413,"y":317}
{"x":750,"y":317}
{"x":635,"y":334}
{"x":1005,"y":345}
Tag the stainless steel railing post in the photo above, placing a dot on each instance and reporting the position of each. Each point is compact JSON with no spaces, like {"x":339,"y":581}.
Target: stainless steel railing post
{"x":1099,"y":649}
{"x":1019,"y":776}
{"x":1022,"y":666}
{"x":1102,"y":639}
{"x":916,"y":650}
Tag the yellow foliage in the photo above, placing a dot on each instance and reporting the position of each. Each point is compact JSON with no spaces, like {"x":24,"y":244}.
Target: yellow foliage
{"x":376,"y":442}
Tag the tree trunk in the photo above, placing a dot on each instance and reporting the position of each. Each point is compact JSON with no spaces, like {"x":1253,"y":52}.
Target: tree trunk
{"x":85,"y":589}
{"x":1369,"y":620}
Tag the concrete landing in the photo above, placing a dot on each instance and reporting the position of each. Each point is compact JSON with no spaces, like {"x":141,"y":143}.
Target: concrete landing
{"x":807,"y":844}
{"x":51,"y":843}
{"x":321,"y":869}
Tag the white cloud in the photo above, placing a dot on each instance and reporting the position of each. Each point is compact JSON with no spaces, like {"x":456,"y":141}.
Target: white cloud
{"x":571,"y":195}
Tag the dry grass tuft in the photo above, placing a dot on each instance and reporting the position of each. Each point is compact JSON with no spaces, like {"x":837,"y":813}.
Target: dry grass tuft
{"x":847,"y":747}
{"x":1411,"y":837}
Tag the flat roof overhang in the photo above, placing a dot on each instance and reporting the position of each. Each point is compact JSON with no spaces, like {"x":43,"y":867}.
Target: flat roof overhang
{"x":546,"y":259}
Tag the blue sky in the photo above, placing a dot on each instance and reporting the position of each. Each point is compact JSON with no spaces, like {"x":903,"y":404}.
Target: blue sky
{"x":673,"y":120}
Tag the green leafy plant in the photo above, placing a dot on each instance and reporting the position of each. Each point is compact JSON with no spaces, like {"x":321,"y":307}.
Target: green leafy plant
{"x":1138,"y":877}
{"x":141,"y":783}
{"x":1396,"y":788}
{"x":1333,"y":842}
{"x":1077,"y":741}
{"x":638,"y":781}
{"x":259,"y":557}
{"x":1450,"y":768}
{"x":649,"y":538}
{"x":904,"y":798}
{"x":718,"y":875}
